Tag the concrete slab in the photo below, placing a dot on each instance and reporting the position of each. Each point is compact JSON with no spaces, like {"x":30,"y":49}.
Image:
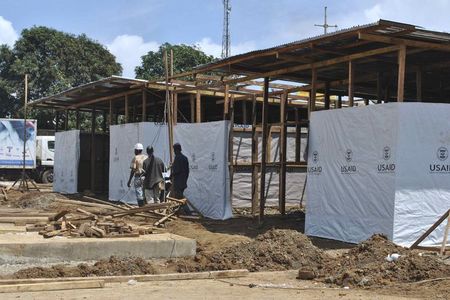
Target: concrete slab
{"x":30,"y":244}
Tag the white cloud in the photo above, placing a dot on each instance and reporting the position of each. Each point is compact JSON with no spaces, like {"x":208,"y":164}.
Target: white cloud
{"x":374,"y":13}
{"x":214,"y":49}
{"x":7,"y":33}
{"x":128,"y":50}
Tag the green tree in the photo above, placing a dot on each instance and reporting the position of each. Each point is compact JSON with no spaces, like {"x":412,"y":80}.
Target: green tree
{"x":55,"y":61}
{"x":185,"y":57}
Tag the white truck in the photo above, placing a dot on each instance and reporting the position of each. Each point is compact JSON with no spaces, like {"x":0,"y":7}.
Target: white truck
{"x":45,"y":156}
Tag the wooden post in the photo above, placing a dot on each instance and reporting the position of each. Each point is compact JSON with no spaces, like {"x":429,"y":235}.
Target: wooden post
{"x":244,"y":112}
{"x":110,"y":118}
{"x":366,"y":101}
{"x":198,"y":108}
{"x":104,"y":121}
{"x":401,"y":73}
{"x":226,"y":102}
{"x":419,"y":94}
{"x":265,"y":127}
{"x":230,"y":145}
{"x":175,"y":108}
{"x":283,"y":149}
{"x":169,"y":107}
{"x":255,"y":169}
{"x":444,"y":241}
{"x":192,"y":105}
{"x":93,"y":124}
{"x":379,"y":87}
{"x":144,"y":105}
{"x":298,"y":132}
{"x":327,"y":95}
{"x":351,"y":83}
{"x":126,"y":109}
{"x":66,"y":120}
{"x":77,"y":119}
{"x":339,"y":103}
{"x":313,"y":92}
{"x":57,"y":121}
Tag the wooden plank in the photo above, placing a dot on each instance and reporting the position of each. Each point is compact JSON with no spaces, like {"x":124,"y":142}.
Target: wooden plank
{"x":58,"y":216}
{"x":255,"y":170}
{"x":401,"y":74}
{"x":403,"y":42}
{"x":430,"y":230}
{"x":106,"y":98}
{"x":175,"y":108}
{"x":283,"y":150}
{"x":23,"y":220}
{"x":351,"y":83}
{"x":237,"y":273}
{"x":379,"y":87}
{"x":226,"y":102}
{"x":52,"y":286}
{"x":198,"y":108}
{"x":265,"y":127}
{"x":110,"y":117}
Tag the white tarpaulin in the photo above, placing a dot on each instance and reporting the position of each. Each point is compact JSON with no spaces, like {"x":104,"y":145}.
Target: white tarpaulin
{"x":67,"y":158}
{"x":206,"y":147}
{"x":204,"y":144}
{"x":379,"y":169}
{"x":11,"y":143}
{"x":122,"y":140}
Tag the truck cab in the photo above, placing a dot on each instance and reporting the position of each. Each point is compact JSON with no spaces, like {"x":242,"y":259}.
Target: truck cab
{"x":45,"y":155}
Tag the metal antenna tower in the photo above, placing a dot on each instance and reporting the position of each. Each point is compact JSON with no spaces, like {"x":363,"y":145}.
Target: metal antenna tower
{"x":226,"y":37}
{"x":325,"y":24}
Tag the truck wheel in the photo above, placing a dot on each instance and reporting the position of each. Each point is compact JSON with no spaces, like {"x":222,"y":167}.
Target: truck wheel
{"x":47,"y":176}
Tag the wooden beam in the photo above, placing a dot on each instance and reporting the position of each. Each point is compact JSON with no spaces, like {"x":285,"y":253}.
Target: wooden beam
{"x":419,"y":95}
{"x":339,"y":102}
{"x":265,"y":127}
{"x":101,"y":99}
{"x":244,"y":112}
{"x":126,"y":109}
{"x":110,"y":119}
{"x":192,"y":105}
{"x":56,"y":121}
{"x":144,"y":105}
{"x":430,"y":230}
{"x":92,"y":149}
{"x":401,"y":74}
{"x":283,"y":150}
{"x":66,"y":120}
{"x":351,"y":83}
{"x":198,"y":108}
{"x":77,"y":119}
{"x":52,"y":286}
{"x":403,"y":42}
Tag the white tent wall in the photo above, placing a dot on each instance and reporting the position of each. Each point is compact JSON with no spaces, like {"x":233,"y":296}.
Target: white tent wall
{"x":206,"y":146}
{"x":122,"y":140}
{"x":422,"y":191}
{"x":67,"y":158}
{"x":349,"y":198}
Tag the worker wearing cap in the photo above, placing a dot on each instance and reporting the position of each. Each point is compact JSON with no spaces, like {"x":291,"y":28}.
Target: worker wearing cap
{"x":179,"y":172}
{"x":154,"y":181}
{"x":137,"y":171}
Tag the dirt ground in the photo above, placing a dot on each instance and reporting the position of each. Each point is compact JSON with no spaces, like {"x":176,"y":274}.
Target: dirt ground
{"x":276,"y":245}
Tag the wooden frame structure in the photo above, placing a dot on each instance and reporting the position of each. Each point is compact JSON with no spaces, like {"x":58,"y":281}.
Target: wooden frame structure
{"x":278,"y":88}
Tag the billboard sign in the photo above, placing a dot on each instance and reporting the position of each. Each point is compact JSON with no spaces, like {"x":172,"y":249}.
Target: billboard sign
{"x":11,"y":143}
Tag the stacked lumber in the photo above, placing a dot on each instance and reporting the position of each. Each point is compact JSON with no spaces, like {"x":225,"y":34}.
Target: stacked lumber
{"x":108,"y":222}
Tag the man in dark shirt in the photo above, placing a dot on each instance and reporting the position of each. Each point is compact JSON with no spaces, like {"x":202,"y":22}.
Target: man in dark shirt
{"x":154,"y":181}
{"x":179,"y":173}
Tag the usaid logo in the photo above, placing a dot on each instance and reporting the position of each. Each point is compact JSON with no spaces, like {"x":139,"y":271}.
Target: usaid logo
{"x":442,"y":153}
{"x":386,"y":153}
{"x":348,"y":155}
{"x":315,"y":156}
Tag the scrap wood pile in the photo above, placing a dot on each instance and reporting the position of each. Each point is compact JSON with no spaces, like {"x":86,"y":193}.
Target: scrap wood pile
{"x":108,"y":221}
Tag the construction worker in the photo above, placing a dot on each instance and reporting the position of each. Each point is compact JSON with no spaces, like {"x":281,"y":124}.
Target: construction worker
{"x":154,"y":180}
{"x":137,"y":171}
{"x":179,"y":173}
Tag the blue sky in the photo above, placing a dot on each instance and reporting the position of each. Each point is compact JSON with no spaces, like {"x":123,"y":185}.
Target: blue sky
{"x":131,"y":28}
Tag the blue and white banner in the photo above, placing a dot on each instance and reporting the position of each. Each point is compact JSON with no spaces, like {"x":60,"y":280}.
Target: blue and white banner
{"x":12,"y":140}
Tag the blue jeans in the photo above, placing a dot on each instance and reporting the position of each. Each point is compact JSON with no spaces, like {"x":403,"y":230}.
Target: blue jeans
{"x":139,"y":187}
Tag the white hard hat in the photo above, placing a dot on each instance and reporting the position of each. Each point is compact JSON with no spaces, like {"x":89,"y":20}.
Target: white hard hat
{"x":138,"y":146}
